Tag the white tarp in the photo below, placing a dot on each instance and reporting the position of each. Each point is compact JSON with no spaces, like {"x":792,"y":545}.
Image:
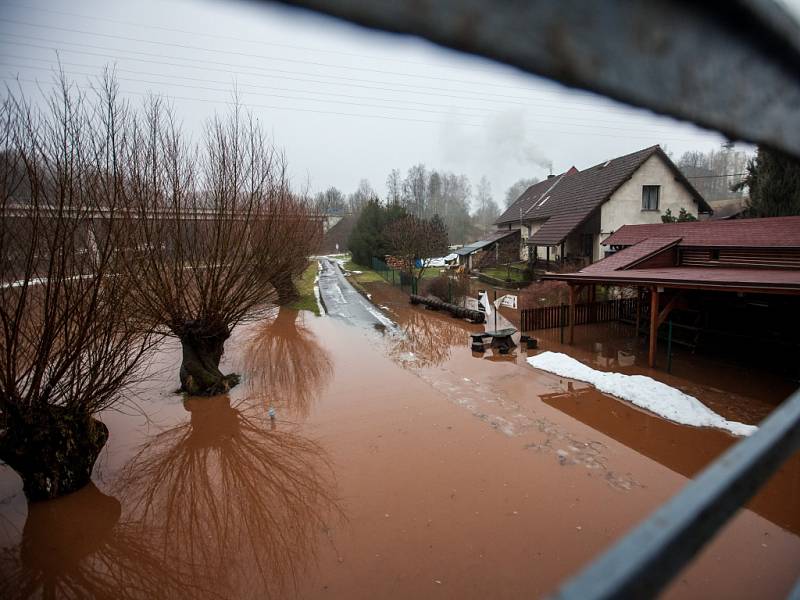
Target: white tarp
{"x":509,"y":300}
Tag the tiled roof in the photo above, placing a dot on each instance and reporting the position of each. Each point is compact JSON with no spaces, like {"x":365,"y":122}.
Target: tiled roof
{"x":567,"y":200}
{"x":631,"y":255}
{"x":773,"y":232}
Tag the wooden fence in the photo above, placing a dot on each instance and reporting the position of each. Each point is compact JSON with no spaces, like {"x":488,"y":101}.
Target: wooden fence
{"x":547,"y":317}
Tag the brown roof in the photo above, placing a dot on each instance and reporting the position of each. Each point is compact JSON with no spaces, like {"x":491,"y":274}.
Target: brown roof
{"x":773,"y":232}
{"x":629,"y":257}
{"x":567,"y":200}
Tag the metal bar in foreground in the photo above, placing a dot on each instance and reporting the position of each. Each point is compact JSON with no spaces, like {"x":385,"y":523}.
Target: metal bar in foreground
{"x":645,"y":560}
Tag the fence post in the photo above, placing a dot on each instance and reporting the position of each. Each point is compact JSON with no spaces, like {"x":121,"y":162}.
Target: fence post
{"x":561,"y":320}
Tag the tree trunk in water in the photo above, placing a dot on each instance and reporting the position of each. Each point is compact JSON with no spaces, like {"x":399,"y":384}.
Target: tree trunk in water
{"x":202,"y":350}
{"x":53,"y":450}
{"x":287,"y":291}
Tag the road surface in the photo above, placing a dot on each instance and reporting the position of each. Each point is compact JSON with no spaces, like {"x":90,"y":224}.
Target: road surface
{"x":343,"y":301}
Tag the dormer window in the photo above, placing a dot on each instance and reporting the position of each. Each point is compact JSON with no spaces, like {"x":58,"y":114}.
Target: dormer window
{"x":650,"y":194}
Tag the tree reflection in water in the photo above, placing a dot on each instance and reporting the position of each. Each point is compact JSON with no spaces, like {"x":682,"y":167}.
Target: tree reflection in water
{"x":76,"y":547}
{"x":285,"y":366}
{"x":233,"y":492}
{"x":227,"y":504}
{"x":427,"y":338}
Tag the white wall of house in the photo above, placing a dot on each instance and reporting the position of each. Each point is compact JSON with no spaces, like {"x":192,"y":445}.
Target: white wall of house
{"x":541,"y":250}
{"x":625,"y":205}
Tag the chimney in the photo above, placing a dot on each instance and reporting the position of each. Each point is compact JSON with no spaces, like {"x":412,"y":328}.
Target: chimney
{"x":550,"y":176}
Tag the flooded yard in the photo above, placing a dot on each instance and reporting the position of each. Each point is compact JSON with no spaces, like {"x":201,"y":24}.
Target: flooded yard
{"x":398,"y":464}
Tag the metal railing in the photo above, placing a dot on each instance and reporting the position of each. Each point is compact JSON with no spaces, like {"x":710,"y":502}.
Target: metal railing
{"x":645,"y":560}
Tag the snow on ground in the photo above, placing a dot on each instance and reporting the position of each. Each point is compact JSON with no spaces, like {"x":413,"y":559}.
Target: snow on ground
{"x":645,"y":392}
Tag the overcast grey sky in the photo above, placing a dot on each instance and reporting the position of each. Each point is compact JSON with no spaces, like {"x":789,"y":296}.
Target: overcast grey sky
{"x":345,"y":103}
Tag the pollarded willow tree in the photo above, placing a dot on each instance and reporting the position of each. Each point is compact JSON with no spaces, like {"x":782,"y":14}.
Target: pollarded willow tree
{"x":218,"y":234}
{"x":69,"y":342}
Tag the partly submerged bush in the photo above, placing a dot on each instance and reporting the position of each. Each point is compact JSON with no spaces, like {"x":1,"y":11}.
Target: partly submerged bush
{"x":449,"y":288}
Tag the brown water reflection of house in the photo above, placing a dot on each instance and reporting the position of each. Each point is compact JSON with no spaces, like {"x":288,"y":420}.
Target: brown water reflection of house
{"x":685,"y":450}
{"x":739,"y":279}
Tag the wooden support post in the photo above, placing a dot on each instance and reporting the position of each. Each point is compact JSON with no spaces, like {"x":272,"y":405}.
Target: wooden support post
{"x":662,"y":316}
{"x":571,"y":313}
{"x":651,"y":359}
{"x":562,"y":254}
{"x":547,"y":264}
{"x":638,"y":309}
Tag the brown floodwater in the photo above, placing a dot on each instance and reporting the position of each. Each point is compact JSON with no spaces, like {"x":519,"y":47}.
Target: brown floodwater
{"x":398,"y":464}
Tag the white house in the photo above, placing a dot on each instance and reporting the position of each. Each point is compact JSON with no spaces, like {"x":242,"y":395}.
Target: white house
{"x":568,"y":216}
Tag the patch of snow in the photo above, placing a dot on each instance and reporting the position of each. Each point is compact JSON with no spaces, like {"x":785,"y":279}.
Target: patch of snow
{"x":356,"y":272}
{"x":317,"y":296}
{"x":645,"y":392}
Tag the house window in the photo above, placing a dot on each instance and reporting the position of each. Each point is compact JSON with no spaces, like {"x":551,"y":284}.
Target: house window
{"x":650,"y":195}
{"x":715,"y":254}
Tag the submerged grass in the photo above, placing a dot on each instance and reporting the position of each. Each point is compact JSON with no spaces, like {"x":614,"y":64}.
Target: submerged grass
{"x":305,"y":287}
{"x":504,"y":274}
{"x":366,"y":274}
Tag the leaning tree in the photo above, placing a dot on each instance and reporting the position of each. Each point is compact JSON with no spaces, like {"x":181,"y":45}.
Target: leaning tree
{"x":218,"y":234}
{"x":68,"y":343}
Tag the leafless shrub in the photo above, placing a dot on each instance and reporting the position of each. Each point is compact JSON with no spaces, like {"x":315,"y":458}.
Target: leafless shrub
{"x":68,"y":346}
{"x":411,"y":238}
{"x":544,"y":293}
{"x":218,"y":234}
{"x":448,"y":287}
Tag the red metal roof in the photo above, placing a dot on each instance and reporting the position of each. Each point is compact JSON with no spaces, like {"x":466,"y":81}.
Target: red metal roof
{"x":773,"y":232}
{"x":698,"y":277}
{"x":631,"y":255}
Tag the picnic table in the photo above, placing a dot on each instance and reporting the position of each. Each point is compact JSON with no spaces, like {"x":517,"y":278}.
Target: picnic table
{"x":501,"y":339}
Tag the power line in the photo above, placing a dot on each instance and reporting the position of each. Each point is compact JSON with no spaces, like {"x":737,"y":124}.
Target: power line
{"x":326,"y":99}
{"x":256,"y":56}
{"x":406,"y":87}
{"x":239,"y":39}
{"x":583,"y":134}
{"x":192,"y":65}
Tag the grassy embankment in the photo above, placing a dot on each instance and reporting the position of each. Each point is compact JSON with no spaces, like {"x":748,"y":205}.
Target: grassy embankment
{"x":305,"y":287}
{"x":366,"y":275}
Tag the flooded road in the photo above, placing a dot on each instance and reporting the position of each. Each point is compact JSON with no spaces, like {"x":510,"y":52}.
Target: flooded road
{"x":343,"y":301}
{"x":399,"y":465}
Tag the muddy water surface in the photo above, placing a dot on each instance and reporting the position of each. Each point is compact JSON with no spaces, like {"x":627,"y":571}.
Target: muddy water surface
{"x":398,"y":465}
